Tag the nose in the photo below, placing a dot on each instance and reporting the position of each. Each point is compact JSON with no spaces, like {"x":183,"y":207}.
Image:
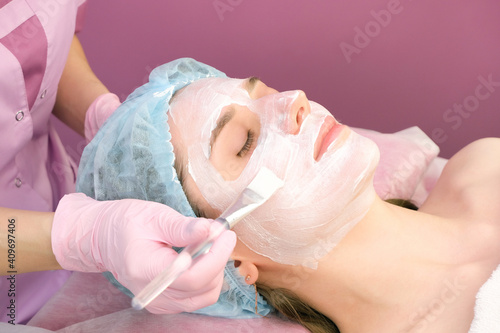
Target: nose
{"x":296,"y":108}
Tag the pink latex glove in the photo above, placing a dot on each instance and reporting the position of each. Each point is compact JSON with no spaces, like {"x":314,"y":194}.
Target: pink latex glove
{"x":132,"y":239}
{"x":98,"y":112}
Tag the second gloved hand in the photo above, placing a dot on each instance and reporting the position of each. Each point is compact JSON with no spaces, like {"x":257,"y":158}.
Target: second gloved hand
{"x":98,"y":112}
{"x":132,"y":239}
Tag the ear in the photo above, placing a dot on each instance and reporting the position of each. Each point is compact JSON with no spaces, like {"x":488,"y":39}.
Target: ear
{"x":248,"y":270}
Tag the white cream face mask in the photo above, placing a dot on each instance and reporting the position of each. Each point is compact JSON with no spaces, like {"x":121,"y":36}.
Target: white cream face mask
{"x":320,"y":201}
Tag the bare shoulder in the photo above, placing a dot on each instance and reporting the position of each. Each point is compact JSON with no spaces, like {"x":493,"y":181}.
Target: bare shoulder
{"x":477,"y":164}
{"x":470,"y":182}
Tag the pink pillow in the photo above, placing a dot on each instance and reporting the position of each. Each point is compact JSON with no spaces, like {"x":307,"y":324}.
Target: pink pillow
{"x":405,"y":161}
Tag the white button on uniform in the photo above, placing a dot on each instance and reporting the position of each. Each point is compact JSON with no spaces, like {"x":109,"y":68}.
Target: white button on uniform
{"x":19,"y":115}
{"x":42,"y":96}
{"x":18,"y":182}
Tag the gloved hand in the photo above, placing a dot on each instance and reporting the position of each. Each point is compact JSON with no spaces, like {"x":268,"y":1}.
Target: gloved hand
{"x":98,"y":112}
{"x":132,"y":239}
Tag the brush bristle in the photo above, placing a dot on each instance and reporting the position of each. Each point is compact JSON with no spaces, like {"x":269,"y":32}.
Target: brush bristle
{"x":265,"y":183}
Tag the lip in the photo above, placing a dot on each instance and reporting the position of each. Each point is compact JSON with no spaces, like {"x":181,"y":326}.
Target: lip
{"x":329,"y":131}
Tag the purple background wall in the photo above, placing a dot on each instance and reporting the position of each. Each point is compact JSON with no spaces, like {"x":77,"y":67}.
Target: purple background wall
{"x":378,"y":64}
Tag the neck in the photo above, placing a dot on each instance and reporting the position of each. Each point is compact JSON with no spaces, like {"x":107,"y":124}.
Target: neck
{"x":379,"y":267}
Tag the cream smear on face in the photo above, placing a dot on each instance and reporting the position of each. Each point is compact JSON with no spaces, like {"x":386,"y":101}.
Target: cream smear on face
{"x":320,"y":200}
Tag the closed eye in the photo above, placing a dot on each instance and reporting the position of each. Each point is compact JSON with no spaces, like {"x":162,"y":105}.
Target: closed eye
{"x":248,"y":144}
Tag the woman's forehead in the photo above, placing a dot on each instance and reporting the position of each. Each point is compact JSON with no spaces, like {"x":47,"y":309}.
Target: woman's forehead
{"x":224,"y":86}
{"x":207,"y":97}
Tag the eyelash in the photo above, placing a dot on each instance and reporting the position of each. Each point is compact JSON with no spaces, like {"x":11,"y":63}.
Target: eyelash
{"x":248,"y":144}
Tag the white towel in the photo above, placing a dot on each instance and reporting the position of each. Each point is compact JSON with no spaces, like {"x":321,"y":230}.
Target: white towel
{"x":487,"y":309}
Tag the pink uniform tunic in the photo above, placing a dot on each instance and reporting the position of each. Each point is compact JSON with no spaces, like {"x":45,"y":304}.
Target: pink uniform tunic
{"x":35,"y":170}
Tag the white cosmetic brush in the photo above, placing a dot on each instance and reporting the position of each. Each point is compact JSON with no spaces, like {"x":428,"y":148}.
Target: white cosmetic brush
{"x":262,"y":187}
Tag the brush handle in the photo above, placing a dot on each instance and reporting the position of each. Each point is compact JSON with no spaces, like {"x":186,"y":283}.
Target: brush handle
{"x":182,"y":263}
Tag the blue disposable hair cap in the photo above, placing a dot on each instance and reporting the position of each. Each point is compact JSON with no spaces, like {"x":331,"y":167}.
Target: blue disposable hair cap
{"x":132,"y":157}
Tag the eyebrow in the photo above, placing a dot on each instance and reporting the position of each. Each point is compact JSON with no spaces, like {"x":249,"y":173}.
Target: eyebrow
{"x":252,"y":81}
{"x":223,"y":120}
